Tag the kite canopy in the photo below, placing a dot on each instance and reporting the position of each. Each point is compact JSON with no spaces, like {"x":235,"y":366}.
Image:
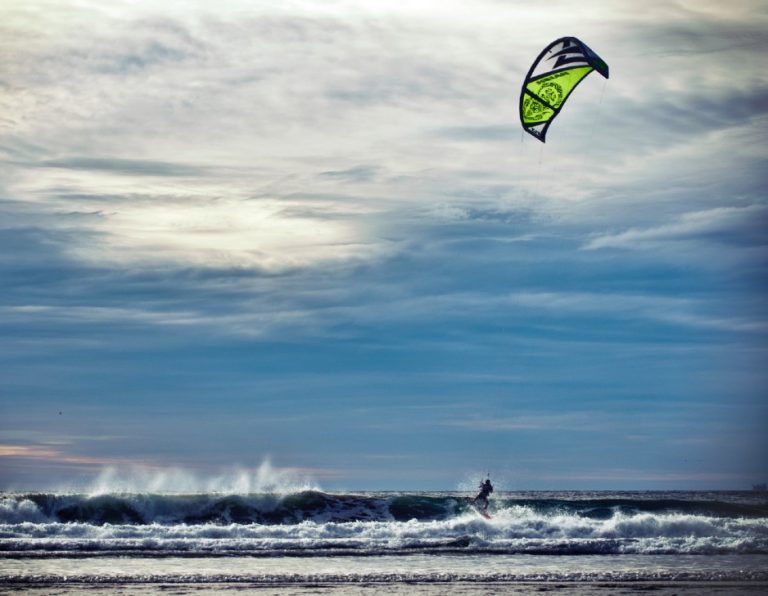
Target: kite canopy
{"x":557,"y":71}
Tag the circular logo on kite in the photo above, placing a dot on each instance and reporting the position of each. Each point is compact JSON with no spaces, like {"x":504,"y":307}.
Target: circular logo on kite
{"x":552,"y":93}
{"x":533,"y":108}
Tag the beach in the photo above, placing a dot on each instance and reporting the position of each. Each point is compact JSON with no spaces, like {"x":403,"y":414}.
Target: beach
{"x":384,"y":543}
{"x":703,"y":588}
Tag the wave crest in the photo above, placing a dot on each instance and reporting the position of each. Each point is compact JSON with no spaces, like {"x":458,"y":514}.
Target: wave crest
{"x":314,"y":522}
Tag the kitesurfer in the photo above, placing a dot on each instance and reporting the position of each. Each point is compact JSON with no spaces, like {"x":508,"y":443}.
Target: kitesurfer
{"x":481,"y":500}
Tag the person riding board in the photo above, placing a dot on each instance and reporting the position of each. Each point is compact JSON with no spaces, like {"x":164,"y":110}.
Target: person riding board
{"x":481,"y":500}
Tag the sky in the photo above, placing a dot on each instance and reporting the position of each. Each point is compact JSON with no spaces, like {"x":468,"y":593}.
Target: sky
{"x":309,"y":240}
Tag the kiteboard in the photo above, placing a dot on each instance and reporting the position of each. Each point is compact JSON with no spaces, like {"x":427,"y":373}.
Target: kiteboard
{"x":479,"y":510}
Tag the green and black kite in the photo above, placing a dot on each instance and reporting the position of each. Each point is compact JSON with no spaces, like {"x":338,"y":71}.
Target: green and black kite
{"x":557,"y":71}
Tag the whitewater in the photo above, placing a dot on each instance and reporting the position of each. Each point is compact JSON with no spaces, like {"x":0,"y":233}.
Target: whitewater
{"x":307,"y":536}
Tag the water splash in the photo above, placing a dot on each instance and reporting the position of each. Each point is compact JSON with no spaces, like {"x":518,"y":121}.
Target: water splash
{"x":140,"y":479}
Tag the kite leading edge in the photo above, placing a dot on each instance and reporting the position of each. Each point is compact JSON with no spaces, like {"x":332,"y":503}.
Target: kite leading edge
{"x":557,"y":71}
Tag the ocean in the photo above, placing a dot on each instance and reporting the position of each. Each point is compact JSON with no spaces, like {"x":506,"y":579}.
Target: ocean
{"x":313,"y":542}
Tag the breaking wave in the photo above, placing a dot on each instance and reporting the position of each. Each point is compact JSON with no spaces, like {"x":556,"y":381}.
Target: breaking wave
{"x":316,"y":523}
{"x":320,"y":507}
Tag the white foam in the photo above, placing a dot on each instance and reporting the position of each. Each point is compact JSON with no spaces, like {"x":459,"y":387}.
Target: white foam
{"x":13,"y":511}
{"x":516,"y":529}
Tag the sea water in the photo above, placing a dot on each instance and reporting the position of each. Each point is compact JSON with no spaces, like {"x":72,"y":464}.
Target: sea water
{"x":312,"y":536}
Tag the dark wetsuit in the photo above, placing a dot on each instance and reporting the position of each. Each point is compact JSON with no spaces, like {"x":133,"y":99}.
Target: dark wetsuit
{"x":486,"y":488}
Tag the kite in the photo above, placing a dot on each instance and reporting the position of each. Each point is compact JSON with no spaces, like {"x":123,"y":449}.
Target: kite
{"x":557,"y":71}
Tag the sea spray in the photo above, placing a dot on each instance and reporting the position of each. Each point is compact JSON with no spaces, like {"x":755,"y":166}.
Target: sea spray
{"x":138,"y":479}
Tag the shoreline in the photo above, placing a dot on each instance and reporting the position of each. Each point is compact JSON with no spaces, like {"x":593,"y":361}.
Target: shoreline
{"x":469,"y":588}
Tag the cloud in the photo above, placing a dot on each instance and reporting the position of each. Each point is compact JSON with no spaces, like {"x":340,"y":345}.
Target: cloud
{"x":571,"y":422}
{"x":130,"y":167}
{"x":262,"y":234}
{"x":91,"y":314}
{"x":684,"y":116}
{"x":360,"y":173}
{"x":48,"y":454}
{"x":246,"y":107}
{"x":727,"y":223}
{"x":490,"y":133}
{"x":678,"y":311}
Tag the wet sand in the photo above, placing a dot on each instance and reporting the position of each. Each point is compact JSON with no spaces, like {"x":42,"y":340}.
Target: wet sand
{"x":398,"y":589}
